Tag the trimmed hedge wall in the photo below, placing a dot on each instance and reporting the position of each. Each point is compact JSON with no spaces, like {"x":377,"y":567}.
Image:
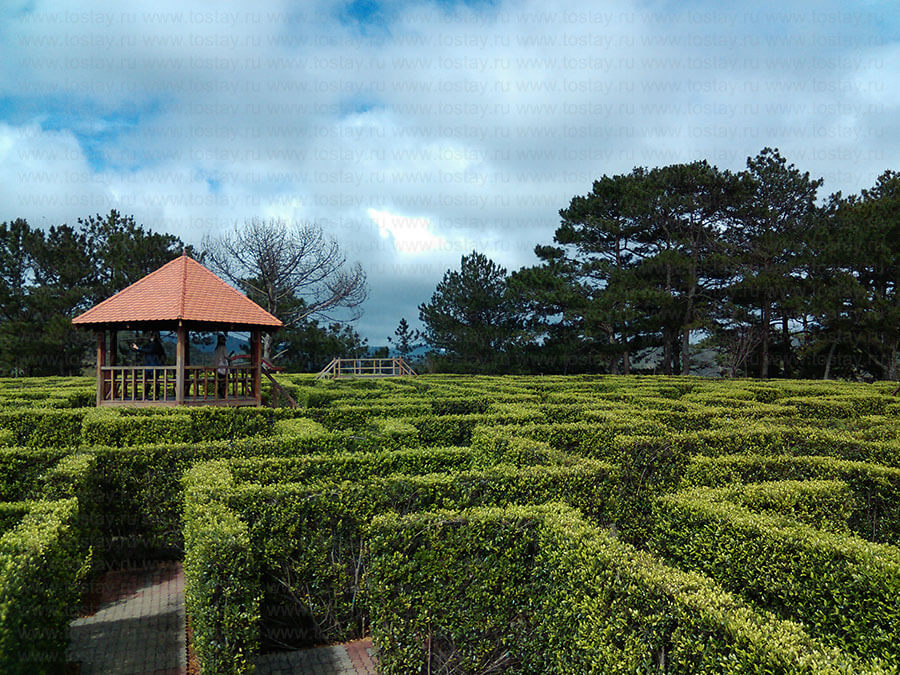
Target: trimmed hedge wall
{"x":21,"y":469}
{"x":824,"y":504}
{"x":43,"y":428}
{"x":51,"y":428}
{"x":307,"y":540}
{"x":537,"y":590}
{"x":42,"y":565}
{"x":846,"y":590}
{"x":222,"y":586}
{"x":501,"y":445}
{"x":350,"y":466}
{"x":136,"y":490}
{"x":875,"y":488}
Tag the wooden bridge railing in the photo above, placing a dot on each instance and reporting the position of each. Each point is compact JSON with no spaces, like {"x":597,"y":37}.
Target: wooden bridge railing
{"x":342,"y":368}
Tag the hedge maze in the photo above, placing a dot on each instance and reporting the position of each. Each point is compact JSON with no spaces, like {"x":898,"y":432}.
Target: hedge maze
{"x":475,"y":524}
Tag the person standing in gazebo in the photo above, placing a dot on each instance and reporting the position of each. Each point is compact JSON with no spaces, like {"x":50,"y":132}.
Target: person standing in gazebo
{"x":154,"y":355}
{"x":153,"y":351}
{"x":220,"y":361}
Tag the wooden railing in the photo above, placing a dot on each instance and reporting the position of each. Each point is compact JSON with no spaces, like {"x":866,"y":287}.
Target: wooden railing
{"x":340,"y":368}
{"x":207,"y":384}
{"x":158,"y":384}
{"x":138,"y":384}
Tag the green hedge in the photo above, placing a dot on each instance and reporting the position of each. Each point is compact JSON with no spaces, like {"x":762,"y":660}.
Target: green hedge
{"x":501,"y":445}
{"x":351,"y":466}
{"x":118,"y":427}
{"x":42,"y":565}
{"x":593,"y":437}
{"x":137,"y":490}
{"x":846,"y":590}
{"x":107,"y":426}
{"x":537,"y":590}
{"x":831,"y":407}
{"x":43,"y":428}
{"x":21,"y":469}
{"x":767,"y":438}
{"x":303,"y":435}
{"x":348,"y":416}
{"x":824,"y":504}
{"x":875,"y":488}
{"x":463,"y":405}
{"x":222,"y":586}
{"x":11,"y":513}
{"x":446,"y":429}
{"x":457,"y":429}
{"x":137,"y":495}
{"x":300,"y":427}
{"x":307,"y":539}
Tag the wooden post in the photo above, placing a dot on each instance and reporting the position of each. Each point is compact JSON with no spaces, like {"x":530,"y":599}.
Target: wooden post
{"x":190,"y":386}
{"x":101,"y":361}
{"x":256,"y":366}
{"x":180,"y":349}
{"x":112,"y":355}
{"x":112,"y":358}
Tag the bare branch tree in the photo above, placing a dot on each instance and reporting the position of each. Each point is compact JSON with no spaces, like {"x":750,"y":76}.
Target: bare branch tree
{"x":293,"y":270}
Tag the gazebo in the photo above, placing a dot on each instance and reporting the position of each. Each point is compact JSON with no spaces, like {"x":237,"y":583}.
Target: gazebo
{"x":180,"y":296}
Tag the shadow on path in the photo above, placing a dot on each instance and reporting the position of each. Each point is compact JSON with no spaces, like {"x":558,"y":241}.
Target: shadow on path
{"x":132,"y":622}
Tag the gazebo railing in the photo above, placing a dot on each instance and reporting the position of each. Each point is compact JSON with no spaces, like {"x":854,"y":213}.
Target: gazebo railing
{"x":138,"y":383}
{"x":205,"y":383}
{"x":158,"y":384}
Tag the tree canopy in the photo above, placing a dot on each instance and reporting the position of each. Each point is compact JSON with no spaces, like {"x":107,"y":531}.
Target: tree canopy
{"x":49,"y":276}
{"x":470,"y":318}
{"x":652,"y":267}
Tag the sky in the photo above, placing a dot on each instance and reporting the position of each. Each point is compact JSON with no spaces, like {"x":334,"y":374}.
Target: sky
{"x":416,"y":132}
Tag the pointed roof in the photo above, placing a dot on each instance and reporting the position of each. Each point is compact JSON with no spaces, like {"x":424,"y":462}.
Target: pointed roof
{"x":180,"y":290}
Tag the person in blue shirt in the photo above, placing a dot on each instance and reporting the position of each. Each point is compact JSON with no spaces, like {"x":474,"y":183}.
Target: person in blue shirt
{"x":154,"y":355}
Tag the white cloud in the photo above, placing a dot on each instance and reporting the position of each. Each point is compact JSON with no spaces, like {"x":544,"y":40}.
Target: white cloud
{"x":410,"y":235}
{"x":481,"y":122}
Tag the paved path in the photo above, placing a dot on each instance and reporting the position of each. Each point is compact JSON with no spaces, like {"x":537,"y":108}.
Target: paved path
{"x":353,"y":658}
{"x":133,"y":623}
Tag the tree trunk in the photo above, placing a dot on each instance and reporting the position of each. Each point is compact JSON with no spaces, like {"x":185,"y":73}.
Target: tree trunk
{"x":827,"y":373}
{"x":676,"y":356}
{"x":786,"y":335}
{"x":626,"y":361}
{"x":686,"y":352}
{"x":764,"y":342}
{"x":667,"y":351}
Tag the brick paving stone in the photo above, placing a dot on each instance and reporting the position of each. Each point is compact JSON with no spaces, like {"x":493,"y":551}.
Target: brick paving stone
{"x":352,"y":658}
{"x":134,"y":624}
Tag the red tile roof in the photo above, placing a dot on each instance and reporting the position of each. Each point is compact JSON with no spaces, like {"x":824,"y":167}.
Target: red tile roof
{"x":182,"y":289}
